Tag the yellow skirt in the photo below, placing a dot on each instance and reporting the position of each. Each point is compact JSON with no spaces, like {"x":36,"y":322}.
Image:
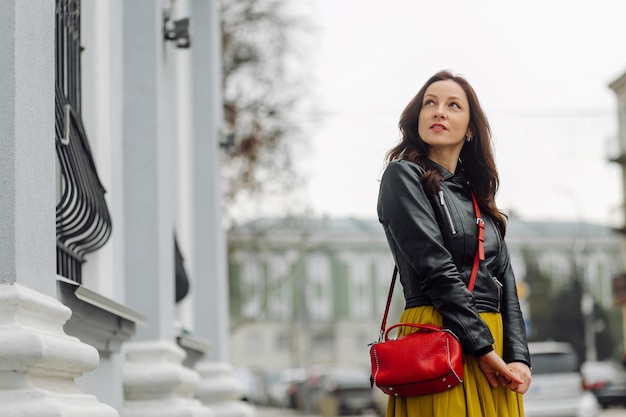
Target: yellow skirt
{"x":474,"y":397}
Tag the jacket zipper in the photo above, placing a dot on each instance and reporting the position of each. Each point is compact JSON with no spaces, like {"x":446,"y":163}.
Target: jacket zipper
{"x":447,"y":211}
{"x":500,"y":286}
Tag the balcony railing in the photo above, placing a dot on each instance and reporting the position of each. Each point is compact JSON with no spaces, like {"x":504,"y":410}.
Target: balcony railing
{"x":83,"y":223}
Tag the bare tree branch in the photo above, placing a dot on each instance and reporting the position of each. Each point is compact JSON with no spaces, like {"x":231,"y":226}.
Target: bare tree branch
{"x":265,"y":96}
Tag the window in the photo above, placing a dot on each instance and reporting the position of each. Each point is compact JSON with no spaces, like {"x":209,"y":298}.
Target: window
{"x":251,"y":288}
{"x":322,"y":343}
{"x":279,"y":288}
{"x":319,"y":292}
{"x":254,"y":343}
{"x":360,"y":289}
{"x":281,"y":343}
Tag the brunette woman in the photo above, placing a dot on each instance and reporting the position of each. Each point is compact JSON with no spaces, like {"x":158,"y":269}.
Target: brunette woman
{"x":426,"y":209}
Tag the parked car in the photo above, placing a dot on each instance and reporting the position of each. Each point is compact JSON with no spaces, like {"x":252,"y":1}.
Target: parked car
{"x":337,"y":391}
{"x":607,"y":381}
{"x":254,"y":387}
{"x":282,"y":386}
{"x":557,"y":384}
{"x":380,"y":401}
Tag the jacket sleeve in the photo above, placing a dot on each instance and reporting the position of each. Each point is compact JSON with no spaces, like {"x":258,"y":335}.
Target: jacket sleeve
{"x":515,"y":342}
{"x":408,"y":217}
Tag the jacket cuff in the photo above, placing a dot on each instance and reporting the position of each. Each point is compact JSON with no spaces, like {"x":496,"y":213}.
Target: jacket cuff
{"x":522,"y":361}
{"x":483,"y":351}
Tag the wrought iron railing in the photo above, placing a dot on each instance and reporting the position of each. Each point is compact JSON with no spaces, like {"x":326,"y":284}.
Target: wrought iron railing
{"x":83,"y":223}
{"x":180,"y":273}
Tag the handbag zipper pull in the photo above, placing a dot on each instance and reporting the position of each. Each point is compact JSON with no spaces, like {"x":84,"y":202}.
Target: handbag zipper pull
{"x":380,"y":338}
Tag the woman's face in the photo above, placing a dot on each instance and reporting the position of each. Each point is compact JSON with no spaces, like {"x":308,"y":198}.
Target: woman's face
{"x":444,"y":118}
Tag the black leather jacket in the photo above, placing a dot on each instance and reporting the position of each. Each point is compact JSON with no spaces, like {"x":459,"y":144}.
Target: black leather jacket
{"x":433,"y":239}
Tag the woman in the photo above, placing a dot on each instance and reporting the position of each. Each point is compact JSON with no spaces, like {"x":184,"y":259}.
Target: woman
{"x":425,"y":207}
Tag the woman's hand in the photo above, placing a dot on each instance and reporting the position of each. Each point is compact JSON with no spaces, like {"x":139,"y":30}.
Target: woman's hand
{"x":523,"y":371}
{"x":499,"y":373}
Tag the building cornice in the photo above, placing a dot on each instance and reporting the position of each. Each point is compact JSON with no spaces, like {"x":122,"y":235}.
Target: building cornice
{"x":97,"y":320}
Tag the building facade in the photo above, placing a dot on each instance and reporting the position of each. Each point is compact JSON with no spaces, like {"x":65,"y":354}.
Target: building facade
{"x":115,"y":305}
{"x":308,"y":292}
{"x":619,"y":283}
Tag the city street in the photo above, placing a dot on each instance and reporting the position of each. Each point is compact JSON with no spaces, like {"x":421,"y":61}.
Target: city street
{"x":282,"y":412}
{"x":286,"y":412}
{"x":613,"y":412}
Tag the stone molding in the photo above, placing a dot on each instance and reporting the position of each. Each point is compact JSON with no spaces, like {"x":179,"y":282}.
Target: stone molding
{"x":156,"y":384}
{"x":96,"y":320}
{"x":39,"y":362}
{"x":221,"y":391}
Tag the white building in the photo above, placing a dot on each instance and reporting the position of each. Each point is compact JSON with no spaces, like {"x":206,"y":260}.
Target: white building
{"x":129,"y":317}
{"x":619,"y":284}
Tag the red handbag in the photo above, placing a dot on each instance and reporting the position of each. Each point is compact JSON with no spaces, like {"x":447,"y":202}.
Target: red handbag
{"x":424,"y":362}
{"x":427,"y":361}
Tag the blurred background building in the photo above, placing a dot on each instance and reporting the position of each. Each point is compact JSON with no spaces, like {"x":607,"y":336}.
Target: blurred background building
{"x":619,"y":283}
{"x":310,"y":292}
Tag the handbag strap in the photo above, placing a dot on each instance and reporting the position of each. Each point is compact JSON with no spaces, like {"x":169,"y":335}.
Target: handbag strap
{"x":480,"y":255}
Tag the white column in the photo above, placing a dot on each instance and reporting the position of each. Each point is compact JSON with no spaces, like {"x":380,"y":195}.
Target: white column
{"x":156,"y":383}
{"x":149,"y":243}
{"x":27,"y":153}
{"x":102,"y":88}
{"x":38,"y":361}
{"x":219,"y":390}
{"x":209,"y":237}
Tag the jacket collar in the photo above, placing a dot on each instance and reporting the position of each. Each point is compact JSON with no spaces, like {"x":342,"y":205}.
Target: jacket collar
{"x":459,"y":177}
{"x":445,"y":174}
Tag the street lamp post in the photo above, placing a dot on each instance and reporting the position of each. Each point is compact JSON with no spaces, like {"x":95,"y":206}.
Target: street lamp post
{"x":586,"y":299}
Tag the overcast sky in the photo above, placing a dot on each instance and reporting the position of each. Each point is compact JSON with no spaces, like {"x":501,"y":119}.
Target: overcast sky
{"x":541,"y":69}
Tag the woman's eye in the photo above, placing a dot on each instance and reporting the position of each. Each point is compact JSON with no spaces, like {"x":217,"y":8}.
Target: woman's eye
{"x":455,"y":105}
{"x":428,"y":103}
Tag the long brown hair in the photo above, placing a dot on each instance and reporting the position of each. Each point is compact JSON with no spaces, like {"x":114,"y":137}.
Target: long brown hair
{"x":476,"y":156}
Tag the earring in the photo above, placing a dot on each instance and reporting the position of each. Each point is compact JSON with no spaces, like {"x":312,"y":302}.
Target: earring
{"x":468,"y":139}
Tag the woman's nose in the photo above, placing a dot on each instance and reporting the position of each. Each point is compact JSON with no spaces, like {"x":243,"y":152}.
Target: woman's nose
{"x":439,"y":113}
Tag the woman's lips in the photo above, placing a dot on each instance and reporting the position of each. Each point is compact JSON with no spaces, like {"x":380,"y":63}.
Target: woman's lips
{"x":438,"y":127}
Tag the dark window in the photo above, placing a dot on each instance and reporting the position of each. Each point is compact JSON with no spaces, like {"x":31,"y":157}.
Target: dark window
{"x":549,"y":363}
{"x":181,"y":279}
{"x":83,"y":223}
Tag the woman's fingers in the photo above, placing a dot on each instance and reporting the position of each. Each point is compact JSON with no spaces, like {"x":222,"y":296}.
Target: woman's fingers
{"x":498,"y":372}
{"x":523,"y":371}
{"x":492,"y":377}
{"x":511,"y":376}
